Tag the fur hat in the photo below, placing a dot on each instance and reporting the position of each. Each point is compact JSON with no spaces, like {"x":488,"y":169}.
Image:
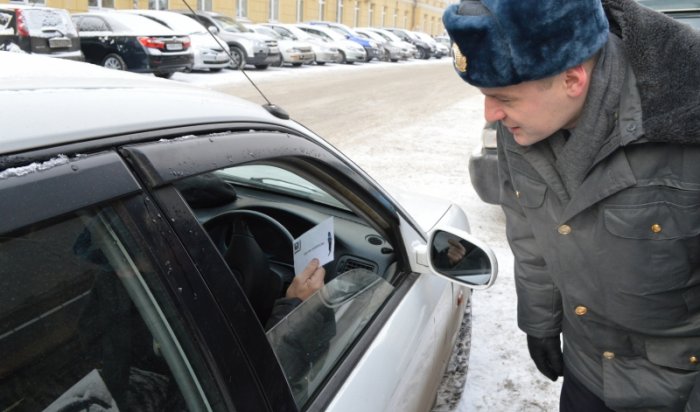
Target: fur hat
{"x":504,"y":42}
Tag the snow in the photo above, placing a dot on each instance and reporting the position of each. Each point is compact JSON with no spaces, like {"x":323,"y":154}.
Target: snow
{"x":34,"y":167}
{"x":501,"y":377}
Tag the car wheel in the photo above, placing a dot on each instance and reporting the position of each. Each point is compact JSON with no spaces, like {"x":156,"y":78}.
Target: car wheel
{"x":296,"y":64}
{"x":237,"y":58}
{"x":343,"y":59}
{"x":114,"y":61}
{"x":261,"y":66}
{"x":320,"y":63}
{"x":215,"y":70}
{"x":424,"y":54}
{"x":163,"y":75}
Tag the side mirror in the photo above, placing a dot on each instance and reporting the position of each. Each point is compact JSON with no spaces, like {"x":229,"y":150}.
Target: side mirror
{"x":214,"y":29}
{"x":461,"y":258}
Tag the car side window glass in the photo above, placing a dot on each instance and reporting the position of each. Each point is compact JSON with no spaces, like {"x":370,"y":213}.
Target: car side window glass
{"x":83,"y":328}
{"x":252,"y":214}
{"x":90,"y":23}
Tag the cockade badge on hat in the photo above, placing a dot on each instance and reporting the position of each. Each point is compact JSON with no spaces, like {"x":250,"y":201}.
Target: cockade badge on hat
{"x":460,"y":60}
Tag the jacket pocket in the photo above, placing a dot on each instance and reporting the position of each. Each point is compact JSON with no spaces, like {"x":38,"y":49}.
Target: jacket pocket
{"x":530,"y":192}
{"x":677,"y":353}
{"x":654,"y":221}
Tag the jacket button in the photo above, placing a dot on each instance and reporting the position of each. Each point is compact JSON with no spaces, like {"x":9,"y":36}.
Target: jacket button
{"x":693,"y":360}
{"x":564,"y":229}
{"x":609,"y":355}
{"x":517,"y":194}
{"x":581,"y":310}
{"x":656,"y":228}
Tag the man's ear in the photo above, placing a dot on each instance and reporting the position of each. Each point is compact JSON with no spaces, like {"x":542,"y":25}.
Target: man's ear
{"x":576,"y":80}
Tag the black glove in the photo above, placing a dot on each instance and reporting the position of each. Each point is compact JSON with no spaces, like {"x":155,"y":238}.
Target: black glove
{"x":546,"y":352}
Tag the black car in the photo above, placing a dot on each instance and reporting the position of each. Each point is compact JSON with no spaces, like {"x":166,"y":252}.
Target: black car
{"x":128,"y":42}
{"x":41,"y":30}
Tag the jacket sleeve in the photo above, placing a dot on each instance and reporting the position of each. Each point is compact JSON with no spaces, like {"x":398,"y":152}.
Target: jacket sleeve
{"x":539,"y":300}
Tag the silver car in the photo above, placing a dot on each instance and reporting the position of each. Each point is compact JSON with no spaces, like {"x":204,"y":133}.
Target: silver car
{"x":350,"y":52}
{"x":155,"y":228}
{"x":324,"y":49}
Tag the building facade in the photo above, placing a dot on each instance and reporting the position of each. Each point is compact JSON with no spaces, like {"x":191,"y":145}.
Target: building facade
{"x":419,"y":15}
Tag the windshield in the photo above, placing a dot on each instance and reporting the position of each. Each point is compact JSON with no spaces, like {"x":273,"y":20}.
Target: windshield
{"x":178,"y":22}
{"x":230,"y":24}
{"x":279,"y":180}
{"x":38,"y":19}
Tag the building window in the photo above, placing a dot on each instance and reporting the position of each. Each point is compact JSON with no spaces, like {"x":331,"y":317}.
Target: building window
{"x":356,"y":15}
{"x":100,"y":4}
{"x":158,"y":4}
{"x":393,"y":23}
{"x":339,"y":17}
{"x":321,"y":9}
{"x":405,"y":20}
{"x":371,"y":12}
{"x":274,"y":10}
{"x":300,"y":11}
{"x":204,"y":5}
{"x":242,"y":8}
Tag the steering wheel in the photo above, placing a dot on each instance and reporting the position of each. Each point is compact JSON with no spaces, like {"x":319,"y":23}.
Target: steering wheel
{"x":248,"y":239}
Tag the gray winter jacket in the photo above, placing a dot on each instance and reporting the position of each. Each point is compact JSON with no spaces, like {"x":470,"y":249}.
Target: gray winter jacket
{"x":606,"y":237}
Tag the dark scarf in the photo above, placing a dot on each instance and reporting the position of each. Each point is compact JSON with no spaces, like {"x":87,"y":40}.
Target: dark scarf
{"x":576,"y":155}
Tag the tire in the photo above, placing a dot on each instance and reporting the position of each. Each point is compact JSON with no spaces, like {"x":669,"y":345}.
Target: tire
{"x":296,"y":64}
{"x":215,"y":70}
{"x":261,"y":66}
{"x":163,"y":75}
{"x":114,"y":61}
{"x":343,"y":59}
{"x":320,"y":63}
{"x":237,"y":58}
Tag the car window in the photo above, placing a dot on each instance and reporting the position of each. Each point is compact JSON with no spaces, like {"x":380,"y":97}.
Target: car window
{"x":91,"y":23}
{"x":40,"y":21}
{"x":84,"y":329}
{"x":310,"y":341}
{"x":253,"y":213}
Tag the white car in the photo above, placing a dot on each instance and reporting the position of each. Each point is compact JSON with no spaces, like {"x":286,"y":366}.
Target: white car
{"x":350,"y":52}
{"x":324,"y":49}
{"x":210,"y":53}
{"x":294,"y":52}
{"x":146,"y":250}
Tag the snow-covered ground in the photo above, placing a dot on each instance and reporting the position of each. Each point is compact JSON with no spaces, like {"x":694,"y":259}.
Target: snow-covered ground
{"x":501,"y":376}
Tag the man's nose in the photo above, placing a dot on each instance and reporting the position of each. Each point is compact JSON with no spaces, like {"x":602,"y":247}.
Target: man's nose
{"x":492,"y":110}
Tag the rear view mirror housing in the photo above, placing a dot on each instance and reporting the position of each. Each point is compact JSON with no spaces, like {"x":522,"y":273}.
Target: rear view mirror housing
{"x":461,"y":258}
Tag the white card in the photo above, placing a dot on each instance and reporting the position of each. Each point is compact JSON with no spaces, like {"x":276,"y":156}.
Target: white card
{"x":318,"y":242}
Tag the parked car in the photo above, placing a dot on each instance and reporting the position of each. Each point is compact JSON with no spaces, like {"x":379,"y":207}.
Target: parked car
{"x":323,"y":48}
{"x":686,"y":11}
{"x":437,"y":50}
{"x":424,"y":49}
{"x":38,"y":29}
{"x":388,"y":51}
{"x":370,"y":46}
{"x":153,"y":225}
{"x":350,"y":51}
{"x":210,"y":52}
{"x":483,"y":163}
{"x":410,"y":51}
{"x":128,"y":42}
{"x":247,"y":47}
{"x":294,"y":52}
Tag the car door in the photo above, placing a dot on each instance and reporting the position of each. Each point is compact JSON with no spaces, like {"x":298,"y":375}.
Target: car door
{"x":386,"y":344}
{"x":99,"y":307}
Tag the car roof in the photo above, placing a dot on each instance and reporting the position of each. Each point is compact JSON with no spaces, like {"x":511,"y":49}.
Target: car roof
{"x":39,"y":99}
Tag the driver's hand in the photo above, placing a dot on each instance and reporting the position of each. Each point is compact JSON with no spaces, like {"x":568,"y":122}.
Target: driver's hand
{"x":308,"y":281}
{"x":455,"y":252}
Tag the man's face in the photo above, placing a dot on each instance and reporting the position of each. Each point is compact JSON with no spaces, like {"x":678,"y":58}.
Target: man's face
{"x":532,"y":111}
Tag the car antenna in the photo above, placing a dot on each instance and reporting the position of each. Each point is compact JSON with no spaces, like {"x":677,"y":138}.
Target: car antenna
{"x":272,"y":108}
